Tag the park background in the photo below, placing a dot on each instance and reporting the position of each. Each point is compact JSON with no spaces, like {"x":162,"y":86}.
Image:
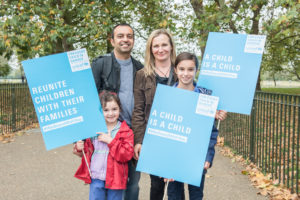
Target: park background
{"x":269,"y":138}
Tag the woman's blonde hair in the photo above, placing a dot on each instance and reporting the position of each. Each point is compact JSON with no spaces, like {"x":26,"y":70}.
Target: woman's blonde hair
{"x":149,"y":64}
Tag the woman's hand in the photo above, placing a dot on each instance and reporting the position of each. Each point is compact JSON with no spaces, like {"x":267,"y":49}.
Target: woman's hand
{"x":137,"y":150}
{"x":221,"y":115}
{"x":103,"y":137}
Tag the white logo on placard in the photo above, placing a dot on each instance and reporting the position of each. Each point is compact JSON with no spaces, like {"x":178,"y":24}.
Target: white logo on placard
{"x":78,"y":60}
{"x":255,"y":44}
{"x":207,"y":105}
{"x":219,"y":74}
{"x":62,"y":124}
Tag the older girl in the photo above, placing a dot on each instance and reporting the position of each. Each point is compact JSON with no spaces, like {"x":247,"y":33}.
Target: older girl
{"x":186,"y":66}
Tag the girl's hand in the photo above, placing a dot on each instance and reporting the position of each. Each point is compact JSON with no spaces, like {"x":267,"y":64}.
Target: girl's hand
{"x":221,"y":115}
{"x":206,"y":165}
{"x":170,"y":180}
{"x":103,"y":137}
{"x":80,"y":145}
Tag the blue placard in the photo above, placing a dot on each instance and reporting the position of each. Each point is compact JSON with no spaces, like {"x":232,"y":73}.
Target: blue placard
{"x":177,"y":134}
{"x":230,"y":67}
{"x":65,"y":98}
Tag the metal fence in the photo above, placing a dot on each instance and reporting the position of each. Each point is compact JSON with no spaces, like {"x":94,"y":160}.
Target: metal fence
{"x":269,"y":136}
{"x":16,"y":108}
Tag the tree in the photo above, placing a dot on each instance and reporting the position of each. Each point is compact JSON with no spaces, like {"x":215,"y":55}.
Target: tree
{"x":4,"y":67}
{"x":38,"y":28}
{"x":249,"y":16}
{"x":283,"y":41}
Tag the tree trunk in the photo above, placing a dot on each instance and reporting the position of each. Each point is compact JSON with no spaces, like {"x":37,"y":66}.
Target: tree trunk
{"x":109,"y":47}
{"x":258,"y":83}
{"x":274,"y":80}
{"x":255,"y":30}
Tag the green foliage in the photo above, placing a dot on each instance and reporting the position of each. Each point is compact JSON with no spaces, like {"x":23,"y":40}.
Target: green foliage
{"x":282,"y":49}
{"x":43,"y":27}
{"x":4,"y":67}
{"x":38,"y":28}
{"x":278,"y":19}
{"x":283,"y":90}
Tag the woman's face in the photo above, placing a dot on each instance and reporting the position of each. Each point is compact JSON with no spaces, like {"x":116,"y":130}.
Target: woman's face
{"x":186,"y":71}
{"x":161,"y":48}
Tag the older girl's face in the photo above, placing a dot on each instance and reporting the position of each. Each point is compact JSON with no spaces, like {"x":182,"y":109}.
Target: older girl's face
{"x":186,"y":71}
{"x":161,"y":48}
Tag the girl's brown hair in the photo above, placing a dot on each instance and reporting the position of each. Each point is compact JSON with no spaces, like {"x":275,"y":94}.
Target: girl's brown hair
{"x":186,"y":56}
{"x":107,"y":96}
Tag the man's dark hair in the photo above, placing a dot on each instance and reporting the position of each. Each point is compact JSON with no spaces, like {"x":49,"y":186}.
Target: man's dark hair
{"x":121,"y":24}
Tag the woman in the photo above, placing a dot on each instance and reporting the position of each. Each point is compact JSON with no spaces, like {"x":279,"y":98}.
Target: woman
{"x":160,"y":57}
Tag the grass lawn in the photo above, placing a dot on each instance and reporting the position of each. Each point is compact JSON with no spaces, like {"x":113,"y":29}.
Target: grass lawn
{"x":295,"y":91}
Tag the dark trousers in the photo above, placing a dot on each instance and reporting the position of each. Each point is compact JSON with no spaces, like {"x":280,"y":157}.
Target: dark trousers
{"x":175,"y":190}
{"x":132,"y":190}
{"x":157,"y":188}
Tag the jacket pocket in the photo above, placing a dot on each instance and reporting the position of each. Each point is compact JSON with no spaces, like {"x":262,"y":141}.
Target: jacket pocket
{"x":148,"y":104}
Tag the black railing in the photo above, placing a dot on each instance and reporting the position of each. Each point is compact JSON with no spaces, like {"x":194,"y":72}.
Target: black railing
{"x":16,"y":108}
{"x":268,"y":137}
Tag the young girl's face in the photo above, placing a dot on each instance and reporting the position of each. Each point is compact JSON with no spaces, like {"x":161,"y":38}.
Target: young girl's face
{"x":186,"y":71}
{"x":111,"y":112}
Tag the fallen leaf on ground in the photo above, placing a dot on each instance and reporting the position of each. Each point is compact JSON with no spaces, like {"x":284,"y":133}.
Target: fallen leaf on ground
{"x":208,"y":176}
{"x":20,"y":133}
{"x":244,"y":172}
{"x":267,"y":187}
{"x":295,"y":197}
{"x":263,"y":192}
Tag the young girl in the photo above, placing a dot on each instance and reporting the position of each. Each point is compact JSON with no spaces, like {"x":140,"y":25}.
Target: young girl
{"x":112,"y":150}
{"x":185,"y":67}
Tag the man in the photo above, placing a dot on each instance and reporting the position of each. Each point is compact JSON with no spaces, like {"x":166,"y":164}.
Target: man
{"x":116,"y":72}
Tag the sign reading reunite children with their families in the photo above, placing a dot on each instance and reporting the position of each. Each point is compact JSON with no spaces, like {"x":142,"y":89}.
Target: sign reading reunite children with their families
{"x":230,"y":68}
{"x":65,"y":98}
{"x":177,"y":134}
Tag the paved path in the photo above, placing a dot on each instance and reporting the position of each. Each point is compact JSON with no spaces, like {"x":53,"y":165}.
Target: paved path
{"x":29,"y":172}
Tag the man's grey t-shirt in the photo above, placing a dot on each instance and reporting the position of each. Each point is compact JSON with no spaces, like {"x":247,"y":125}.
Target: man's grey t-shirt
{"x":126,"y":89}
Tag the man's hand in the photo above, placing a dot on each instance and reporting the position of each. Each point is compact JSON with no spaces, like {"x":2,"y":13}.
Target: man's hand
{"x":137,"y":150}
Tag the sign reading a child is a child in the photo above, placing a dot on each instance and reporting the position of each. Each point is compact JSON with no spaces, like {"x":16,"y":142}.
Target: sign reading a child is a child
{"x":230,"y":67}
{"x":177,"y":134}
{"x":65,"y":98}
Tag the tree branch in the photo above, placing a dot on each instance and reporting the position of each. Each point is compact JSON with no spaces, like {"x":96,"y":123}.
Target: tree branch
{"x":292,"y":36}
